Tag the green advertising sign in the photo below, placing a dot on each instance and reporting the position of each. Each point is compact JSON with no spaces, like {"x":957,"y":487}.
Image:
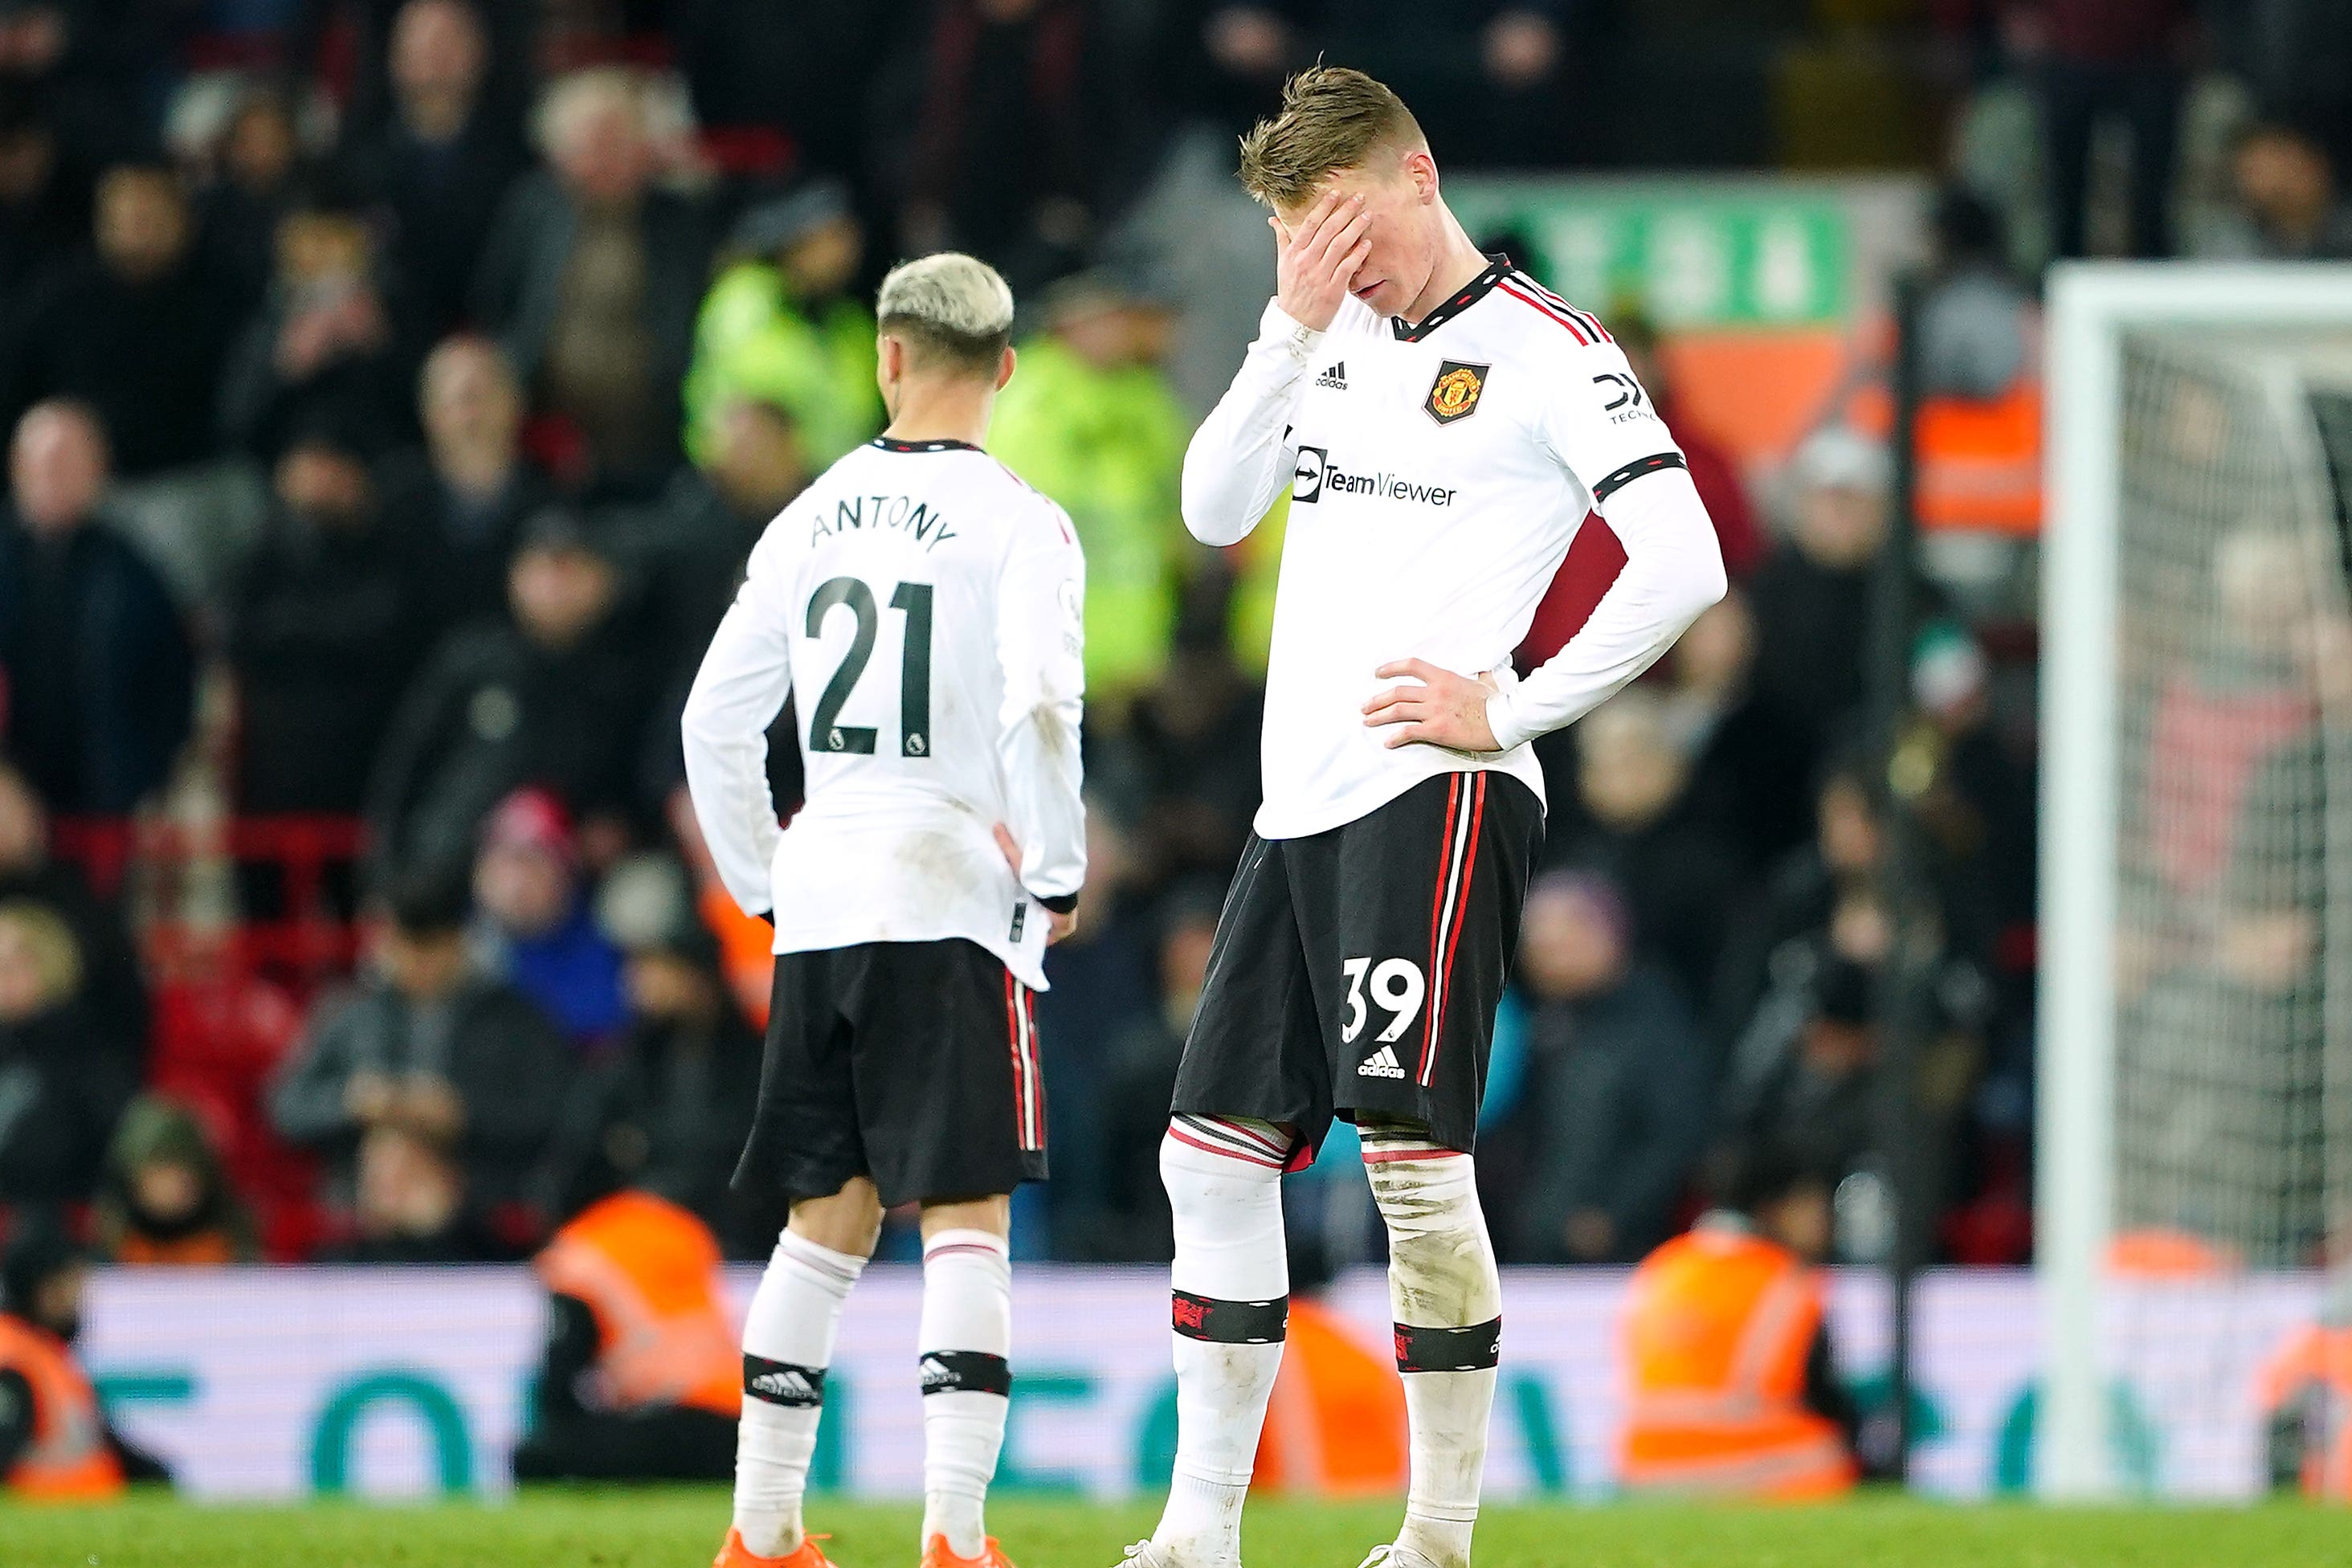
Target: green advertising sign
{"x":1691,"y":255}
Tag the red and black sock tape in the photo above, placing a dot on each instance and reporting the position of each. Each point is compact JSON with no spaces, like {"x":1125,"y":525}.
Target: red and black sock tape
{"x":1474,"y":1349}
{"x":1230,"y":1322}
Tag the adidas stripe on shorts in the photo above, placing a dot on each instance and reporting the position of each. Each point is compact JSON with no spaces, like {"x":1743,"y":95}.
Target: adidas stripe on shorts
{"x":1356,"y":970}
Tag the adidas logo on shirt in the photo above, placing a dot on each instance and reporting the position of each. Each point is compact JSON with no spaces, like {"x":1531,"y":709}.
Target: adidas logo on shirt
{"x":1335,"y":376}
{"x":1381,"y":1063}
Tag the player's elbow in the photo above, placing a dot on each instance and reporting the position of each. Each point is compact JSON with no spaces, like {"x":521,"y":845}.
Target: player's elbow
{"x":1709,"y":581}
{"x":702,"y":726}
{"x":1212,"y":514}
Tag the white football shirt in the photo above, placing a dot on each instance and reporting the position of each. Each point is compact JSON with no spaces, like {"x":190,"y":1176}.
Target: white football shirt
{"x":1437,"y":474}
{"x":923,"y":607}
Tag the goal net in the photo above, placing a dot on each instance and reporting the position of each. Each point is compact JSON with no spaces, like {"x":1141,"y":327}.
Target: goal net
{"x":2196,"y":1134}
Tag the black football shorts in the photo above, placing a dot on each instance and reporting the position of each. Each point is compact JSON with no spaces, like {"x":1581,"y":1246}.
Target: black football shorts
{"x":914,"y":1063}
{"x":1356,"y":970}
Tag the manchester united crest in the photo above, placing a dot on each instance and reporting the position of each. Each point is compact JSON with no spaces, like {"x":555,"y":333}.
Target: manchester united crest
{"x":1455,"y":394}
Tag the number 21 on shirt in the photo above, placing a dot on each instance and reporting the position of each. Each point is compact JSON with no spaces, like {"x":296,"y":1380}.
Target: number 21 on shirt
{"x":826,"y":732}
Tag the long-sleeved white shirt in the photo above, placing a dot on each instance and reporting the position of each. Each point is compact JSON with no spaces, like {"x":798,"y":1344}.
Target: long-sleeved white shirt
{"x":922,"y":606}
{"x":1436,"y":477}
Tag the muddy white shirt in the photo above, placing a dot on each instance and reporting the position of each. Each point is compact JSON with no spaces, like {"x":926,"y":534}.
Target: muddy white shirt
{"x":1437,"y":474}
{"x":922,"y":607}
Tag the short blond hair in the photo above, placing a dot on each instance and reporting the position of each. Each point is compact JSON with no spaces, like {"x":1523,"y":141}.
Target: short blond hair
{"x":1332,"y":118}
{"x":948,"y":307}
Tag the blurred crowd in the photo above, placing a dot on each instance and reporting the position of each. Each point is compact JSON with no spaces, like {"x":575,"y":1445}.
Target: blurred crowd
{"x":394,"y":390}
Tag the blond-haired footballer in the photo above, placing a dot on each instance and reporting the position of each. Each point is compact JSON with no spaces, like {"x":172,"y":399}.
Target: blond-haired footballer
{"x":1443,"y":425}
{"x":921,"y":606}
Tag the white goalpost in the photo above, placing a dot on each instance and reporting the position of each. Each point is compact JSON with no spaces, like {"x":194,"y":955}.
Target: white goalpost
{"x":2194,"y":1130}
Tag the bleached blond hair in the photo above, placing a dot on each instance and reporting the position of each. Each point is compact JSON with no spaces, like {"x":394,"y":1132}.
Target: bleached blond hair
{"x":950,"y":307}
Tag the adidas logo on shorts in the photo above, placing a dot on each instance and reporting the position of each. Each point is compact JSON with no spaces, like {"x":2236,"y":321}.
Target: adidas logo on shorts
{"x":1381,"y":1063}
{"x":1334,"y":376}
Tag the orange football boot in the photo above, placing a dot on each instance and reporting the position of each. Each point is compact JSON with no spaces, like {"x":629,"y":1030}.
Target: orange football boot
{"x":936,"y":1554}
{"x":735,"y":1554}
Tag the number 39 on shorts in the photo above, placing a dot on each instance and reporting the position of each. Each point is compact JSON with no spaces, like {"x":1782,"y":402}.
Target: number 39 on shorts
{"x":1397,"y":988}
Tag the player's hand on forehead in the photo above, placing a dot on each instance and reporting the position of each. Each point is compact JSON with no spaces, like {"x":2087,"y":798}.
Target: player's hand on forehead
{"x":1318,"y":256}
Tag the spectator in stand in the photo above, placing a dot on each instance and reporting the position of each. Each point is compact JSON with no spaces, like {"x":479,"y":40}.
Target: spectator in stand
{"x":101,"y":682}
{"x":803,"y":74}
{"x":1979,"y":330}
{"x":1751,"y":777}
{"x":784,"y":326}
{"x":1498,"y":66}
{"x":326,"y":631}
{"x":1092,"y":422}
{"x":116,"y":994}
{"x":1679,"y":873}
{"x":381,"y":79}
{"x":2288,"y":205}
{"x":44,"y":196}
{"x":1800,"y":896}
{"x":1805,"y":1075}
{"x":535,"y":927}
{"x":137,"y":330}
{"x":326,"y":339}
{"x":691,"y":549}
{"x":428,"y":1047}
{"x":1712,"y":470}
{"x":56,"y":1443}
{"x":1102,"y":983}
{"x":713,"y":511}
{"x":2102,"y":60}
{"x":592,"y":276}
{"x":460,"y":501}
{"x":1141,"y":1079}
{"x":1812,"y":600}
{"x":413,"y":1205}
{"x":166,"y":1199}
{"x":60,"y":1091}
{"x":559,"y":696}
{"x":90,"y":65}
{"x":1621,"y":1092}
{"x":985,"y":78}
{"x":1189,"y":757}
{"x":441,"y":162}
{"x":667,"y":1112}
{"x":256,"y":171}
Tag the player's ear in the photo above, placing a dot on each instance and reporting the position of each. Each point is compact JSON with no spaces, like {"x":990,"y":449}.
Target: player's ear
{"x":1420,"y":169}
{"x":1004,"y":367}
{"x":888,"y":355}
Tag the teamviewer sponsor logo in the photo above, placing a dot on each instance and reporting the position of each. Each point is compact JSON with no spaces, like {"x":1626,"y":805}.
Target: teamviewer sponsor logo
{"x":1381,"y":1063}
{"x":1306,"y":481}
{"x":1317,"y":474}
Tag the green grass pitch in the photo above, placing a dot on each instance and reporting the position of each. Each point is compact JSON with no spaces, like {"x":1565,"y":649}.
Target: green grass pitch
{"x":680,"y":1528}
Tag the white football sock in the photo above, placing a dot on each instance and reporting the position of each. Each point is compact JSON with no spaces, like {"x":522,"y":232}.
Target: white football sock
{"x":966,"y":1335}
{"x":1447,"y":1299}
{"x":787,"y":1345}
{"x":1230,"y":1306}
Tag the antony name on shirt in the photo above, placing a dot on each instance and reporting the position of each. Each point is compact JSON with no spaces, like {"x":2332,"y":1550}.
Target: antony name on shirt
{"x":904,"y":512}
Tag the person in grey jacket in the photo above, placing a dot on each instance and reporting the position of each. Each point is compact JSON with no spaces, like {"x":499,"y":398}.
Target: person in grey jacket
{"x":592,"y":275}
{"x":430,"y":1047}
{"x":1620,"y":1080}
